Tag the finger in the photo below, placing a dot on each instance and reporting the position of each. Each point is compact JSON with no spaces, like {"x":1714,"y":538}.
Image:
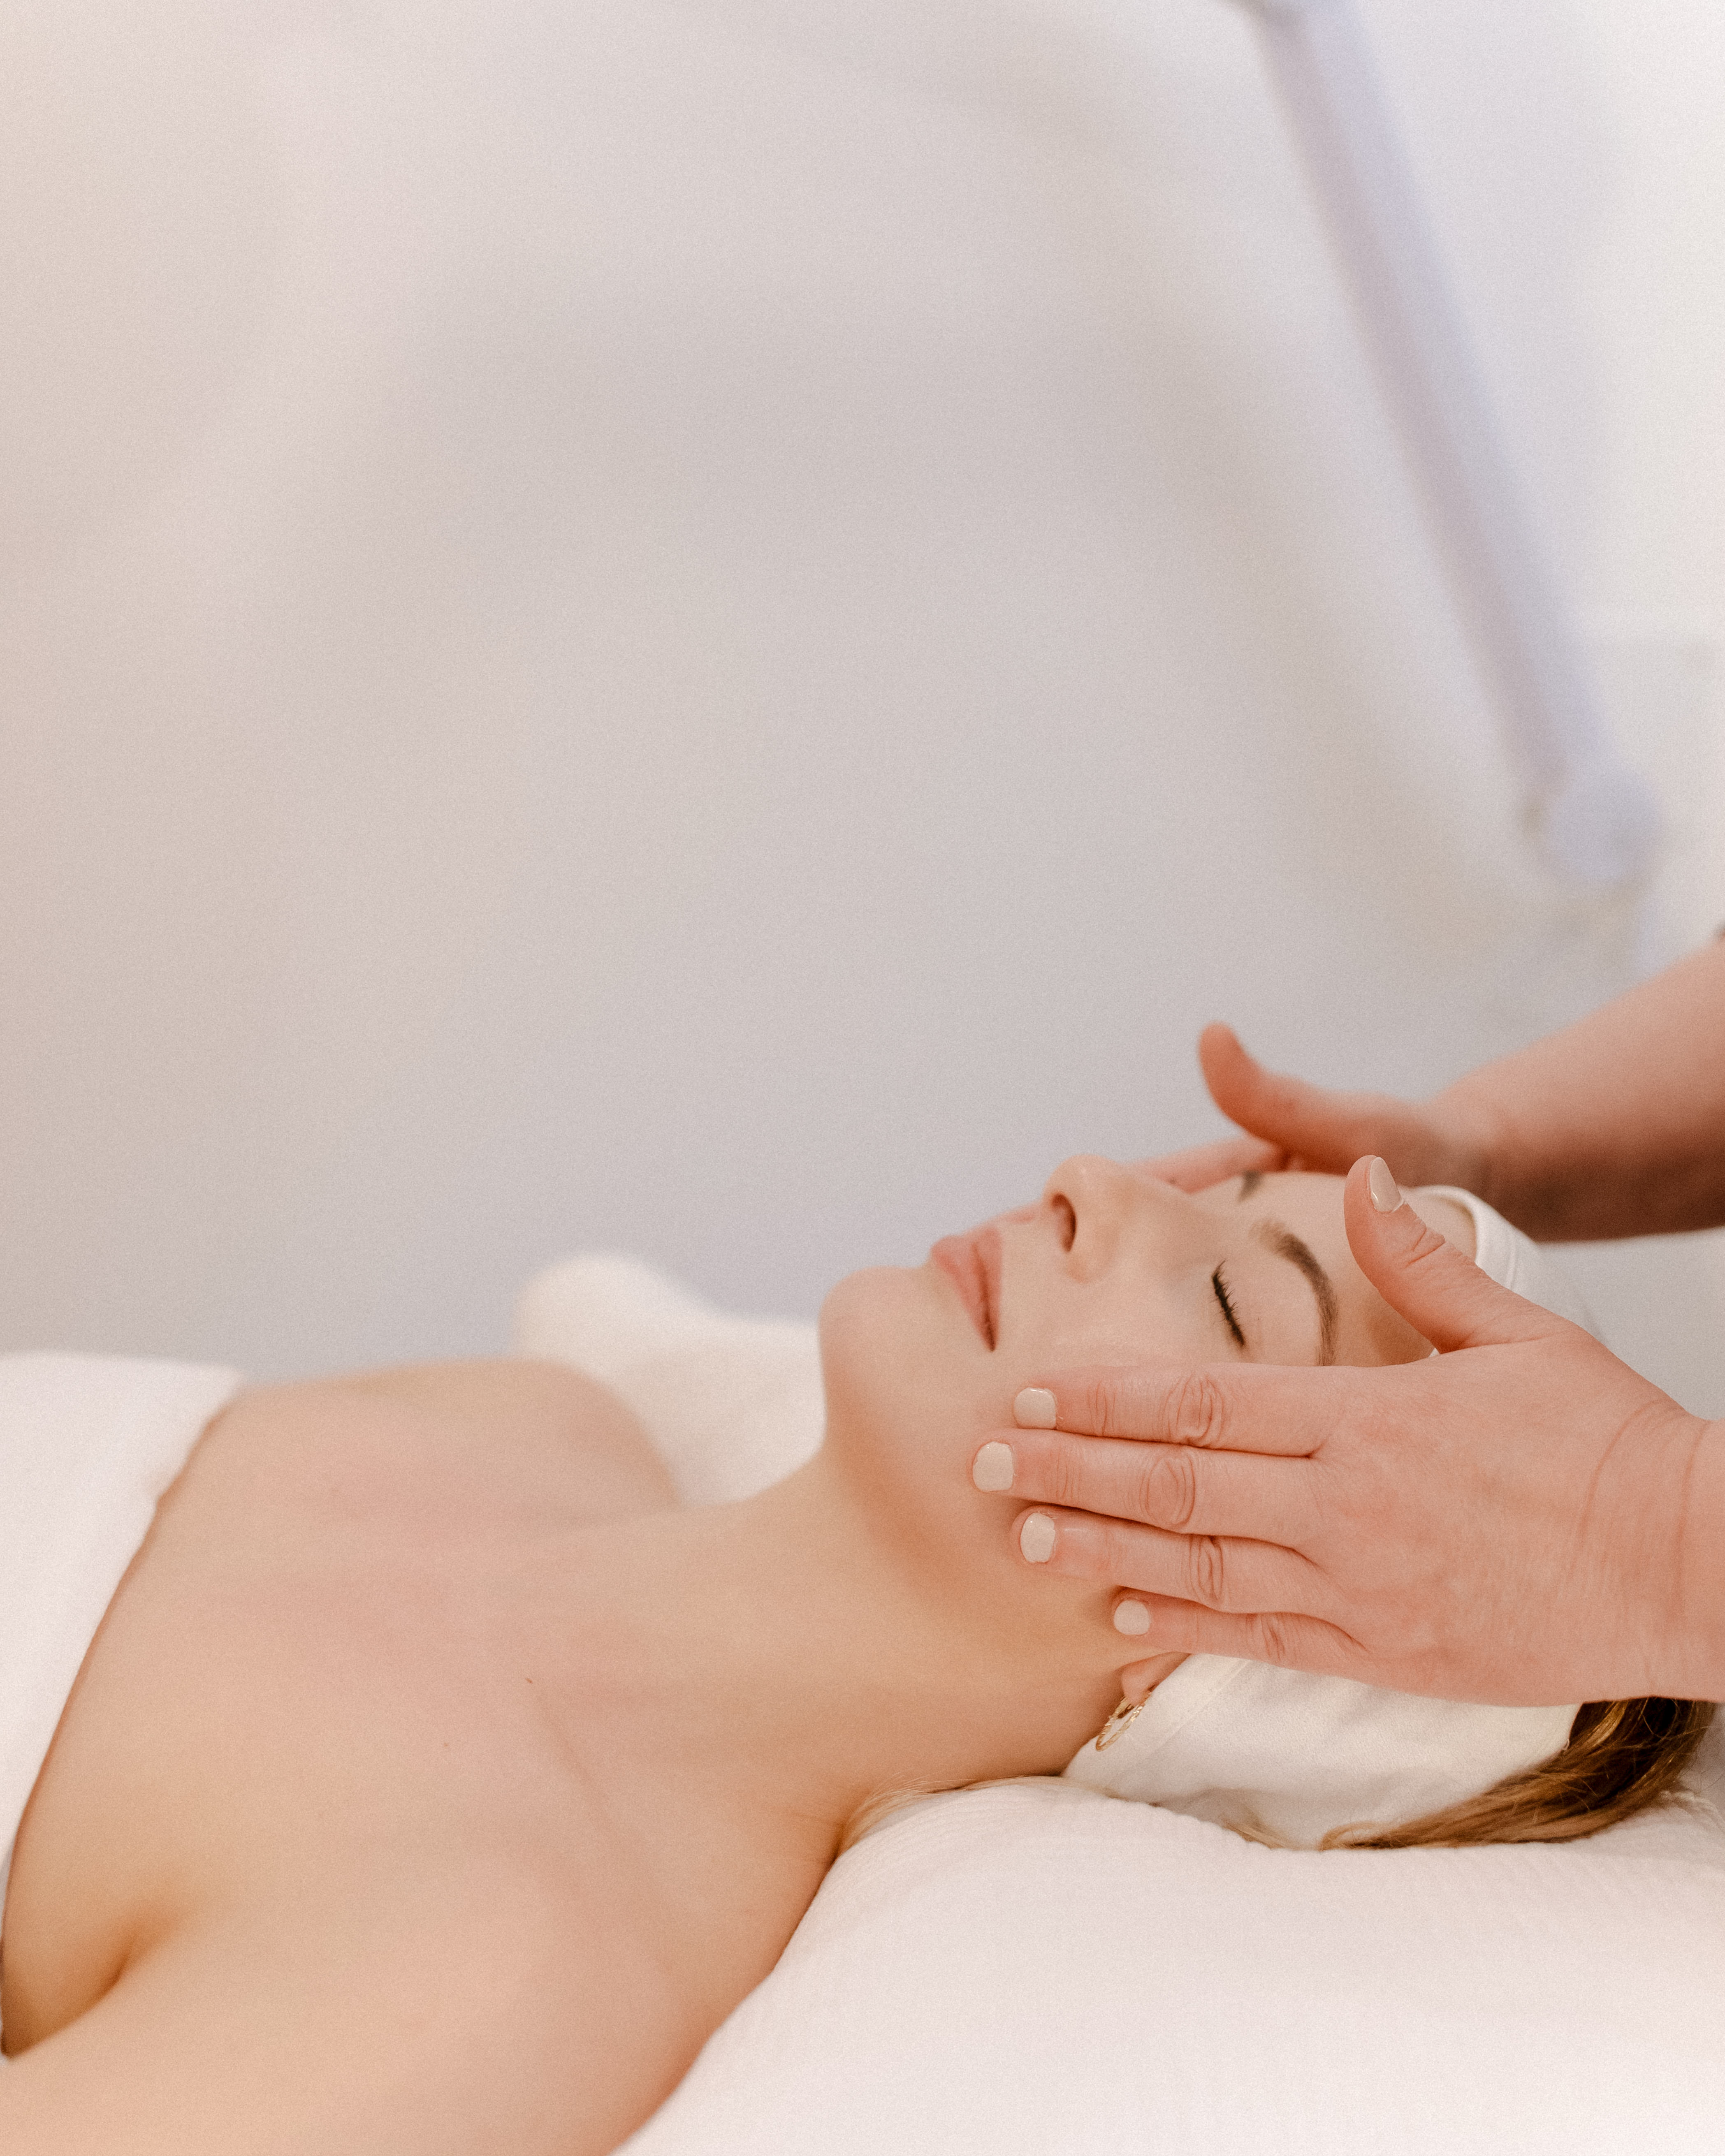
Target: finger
{"x":1283,"y":1111}
{"x":1173,"y":1487}
{"x":1217,"y":1572}
{"x":1200,"y":1168}
{"x":1284,"y":1638}
{"x":1266,"y":1409}
{"x":1443,"y":1294}
{"x":1316,"y":1128}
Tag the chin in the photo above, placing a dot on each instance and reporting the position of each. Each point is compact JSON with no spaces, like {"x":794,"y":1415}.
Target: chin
{"x":908,"y":1380}
{"x":868,"y":1324}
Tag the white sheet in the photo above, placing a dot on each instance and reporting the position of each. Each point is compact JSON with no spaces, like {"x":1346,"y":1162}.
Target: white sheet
{"x":1045,"y":1971}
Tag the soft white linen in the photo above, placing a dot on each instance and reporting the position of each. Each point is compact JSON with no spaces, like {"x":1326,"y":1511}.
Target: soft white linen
{"x":1278,"y":1753}
{"x":88,"y":1444}
{"x":1040,"y":1971}
{"x":1046,"y":1970}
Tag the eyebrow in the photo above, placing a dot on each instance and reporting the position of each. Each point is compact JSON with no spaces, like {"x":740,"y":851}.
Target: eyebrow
{"x":1275,"y":1236}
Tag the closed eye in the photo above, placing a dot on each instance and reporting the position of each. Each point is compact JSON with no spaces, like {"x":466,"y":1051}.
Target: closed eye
{"x":1220,"y":1285}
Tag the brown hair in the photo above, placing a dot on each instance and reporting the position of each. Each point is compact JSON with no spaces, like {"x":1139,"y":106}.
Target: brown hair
{"x":1622,"y":1756}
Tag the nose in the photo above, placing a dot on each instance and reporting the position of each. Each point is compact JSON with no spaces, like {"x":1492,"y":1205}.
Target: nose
{"x":1096,"y":1198}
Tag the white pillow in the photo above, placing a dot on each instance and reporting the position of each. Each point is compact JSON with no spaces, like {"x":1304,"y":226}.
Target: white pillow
{"x":1040,"y":1971}
{"x":1046,"y":1970}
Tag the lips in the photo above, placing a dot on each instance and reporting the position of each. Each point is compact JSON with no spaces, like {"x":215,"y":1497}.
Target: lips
{"x":973,"y":1263}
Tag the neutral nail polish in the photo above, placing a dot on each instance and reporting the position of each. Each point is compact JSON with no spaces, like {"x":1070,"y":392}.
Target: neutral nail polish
{"x":992,"y":1468}
{"x":1132,"y":1618}
{"x":1036,"y":1539}
{"x":1034,"y":1409}
{"x":1386,"y":1193}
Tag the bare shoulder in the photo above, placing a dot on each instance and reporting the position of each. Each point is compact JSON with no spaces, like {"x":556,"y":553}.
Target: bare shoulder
{"x":562,"y":1407}
{"x":564,"y":1433}
{"x":314,"y":1608}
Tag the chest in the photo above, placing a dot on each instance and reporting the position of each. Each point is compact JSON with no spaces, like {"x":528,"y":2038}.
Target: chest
{"x":326,"y":1698}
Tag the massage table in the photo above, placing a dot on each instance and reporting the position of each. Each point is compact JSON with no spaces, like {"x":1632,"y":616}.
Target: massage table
{"x":1036,"y":1969}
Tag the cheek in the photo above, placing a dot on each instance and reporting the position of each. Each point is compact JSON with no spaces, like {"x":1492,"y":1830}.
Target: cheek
{"x":1130,"y":1321}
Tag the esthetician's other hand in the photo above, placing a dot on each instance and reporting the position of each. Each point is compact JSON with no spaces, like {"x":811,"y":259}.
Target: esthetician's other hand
{"x":1299,"y":1125}
{"x":1614,"y":1127}
{"x":1520,"y":1519}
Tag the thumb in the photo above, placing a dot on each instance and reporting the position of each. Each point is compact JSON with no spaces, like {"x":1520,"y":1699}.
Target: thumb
{"x":1443,"y":1295}
{"x":1314,"y":1126}
{"x":1288,"y":1641}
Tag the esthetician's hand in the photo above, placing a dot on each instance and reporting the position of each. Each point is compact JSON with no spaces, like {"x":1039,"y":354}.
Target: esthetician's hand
{"x":1307,"y":1126}
{"x":1520,"y":1519}
{"x":1614,"y":1127}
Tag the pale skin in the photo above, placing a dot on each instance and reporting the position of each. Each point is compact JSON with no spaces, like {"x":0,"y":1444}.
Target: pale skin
{"x":1523,"y":1520}
{"x":436,"y":1784}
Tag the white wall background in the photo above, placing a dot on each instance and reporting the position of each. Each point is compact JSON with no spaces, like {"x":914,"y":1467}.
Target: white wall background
{"x":715,"y":626}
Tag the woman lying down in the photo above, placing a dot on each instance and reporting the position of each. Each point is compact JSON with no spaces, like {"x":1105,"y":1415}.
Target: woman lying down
{"x":436,"y":1784}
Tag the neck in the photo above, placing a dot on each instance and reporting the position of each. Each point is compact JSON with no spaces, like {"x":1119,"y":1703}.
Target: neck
{"x":789,"y":1649}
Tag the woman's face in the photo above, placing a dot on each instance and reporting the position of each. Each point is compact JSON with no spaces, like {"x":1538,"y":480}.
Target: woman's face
{"x":1109,"y":1266}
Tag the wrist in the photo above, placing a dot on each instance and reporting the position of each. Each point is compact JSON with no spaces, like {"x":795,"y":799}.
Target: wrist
{"x":1474,"y":1134}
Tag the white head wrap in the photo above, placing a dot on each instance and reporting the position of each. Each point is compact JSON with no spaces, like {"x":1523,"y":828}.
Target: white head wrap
{"x":1295,"y":1757}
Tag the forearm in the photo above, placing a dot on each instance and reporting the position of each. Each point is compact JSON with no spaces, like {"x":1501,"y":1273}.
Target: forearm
{"x":1615,"y":1126}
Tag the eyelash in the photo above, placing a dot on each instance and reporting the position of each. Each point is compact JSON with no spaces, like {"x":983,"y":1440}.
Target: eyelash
{"x":1219,"y":1283}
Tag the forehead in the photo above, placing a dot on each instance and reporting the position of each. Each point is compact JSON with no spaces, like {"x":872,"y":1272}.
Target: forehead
{"x":1310,"y":1204}
{"x":1369,"y":1331}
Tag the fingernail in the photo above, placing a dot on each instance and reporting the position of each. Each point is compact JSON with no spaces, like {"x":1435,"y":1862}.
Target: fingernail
{"x":992,"y":1468}
{"x":1131,"y":1617}
{"x":1034,"y":1409}
{"x":1036,"y":1539}
{"x":1386,"y":1196}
